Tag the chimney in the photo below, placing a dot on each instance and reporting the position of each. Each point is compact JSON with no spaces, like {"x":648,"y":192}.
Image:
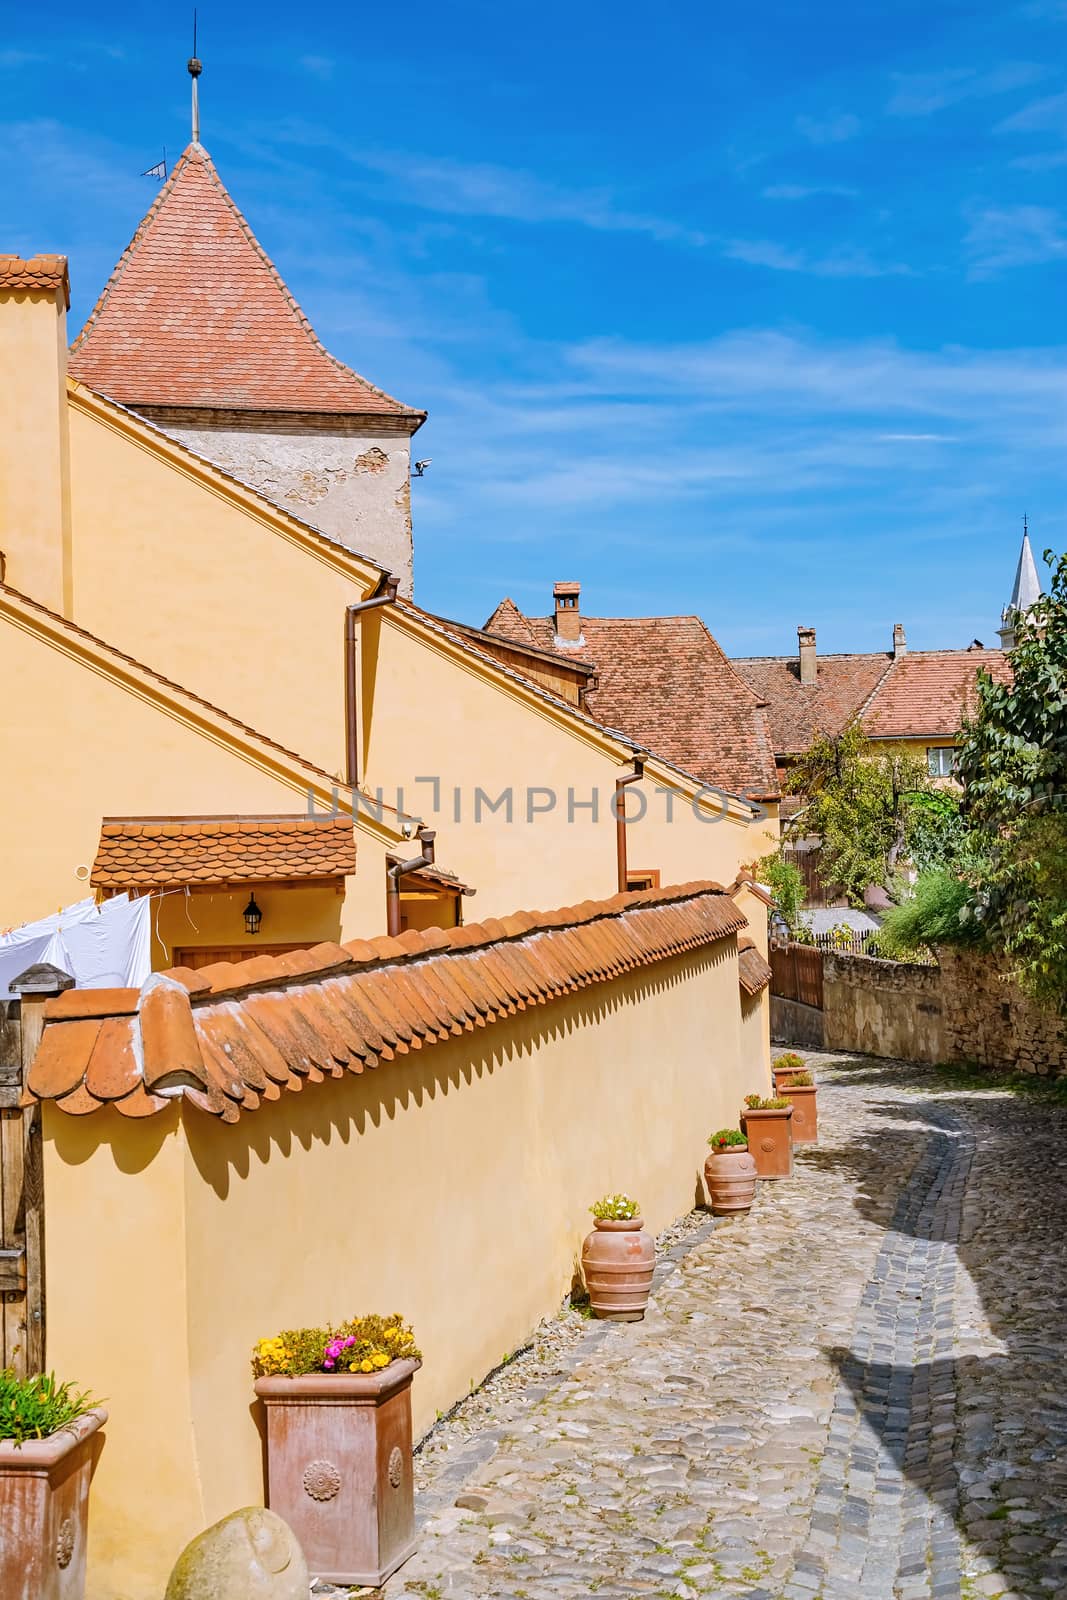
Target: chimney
{"x":900,"y":643}
{"x":568,"y":616}
{"x":809,"y":666}
{"x":34,"y":440}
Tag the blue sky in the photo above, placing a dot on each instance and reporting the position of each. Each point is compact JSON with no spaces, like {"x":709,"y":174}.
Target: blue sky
{"x":757,"y":313}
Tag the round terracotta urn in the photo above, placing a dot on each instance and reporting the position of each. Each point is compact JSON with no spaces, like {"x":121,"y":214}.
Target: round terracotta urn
{"x":730,"y":1175}
{"x":618,"y":1260}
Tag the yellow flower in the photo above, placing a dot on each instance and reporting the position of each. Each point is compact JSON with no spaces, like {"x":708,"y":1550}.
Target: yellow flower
{"x":352,"y":1367}
{"x":366,"y":1366}
{"x":381,"y":1359}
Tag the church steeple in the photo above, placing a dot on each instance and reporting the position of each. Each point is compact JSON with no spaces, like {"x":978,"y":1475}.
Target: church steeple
{"x":1026,"y":590}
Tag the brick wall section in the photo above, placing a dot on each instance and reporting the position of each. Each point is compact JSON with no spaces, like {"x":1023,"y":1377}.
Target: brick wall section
{"x":964,"y":1010}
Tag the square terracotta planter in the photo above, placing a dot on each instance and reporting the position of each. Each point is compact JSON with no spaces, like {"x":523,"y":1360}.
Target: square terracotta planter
{"x":339,"y":1469}
{"x":770,"y":1141}
{"x":801,"y":1097}
{"x":44,"y":1511}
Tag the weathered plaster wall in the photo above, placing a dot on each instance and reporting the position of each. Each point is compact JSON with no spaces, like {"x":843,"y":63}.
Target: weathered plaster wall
{"x":352,"y":482}
{"x":967,"y":1009}
{"x":882,"y":1008}
{"x":453,"y":1185}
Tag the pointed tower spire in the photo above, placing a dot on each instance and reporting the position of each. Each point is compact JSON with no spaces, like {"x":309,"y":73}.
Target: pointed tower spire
{"x":196,"y":67}
{"x":1026,"y":589}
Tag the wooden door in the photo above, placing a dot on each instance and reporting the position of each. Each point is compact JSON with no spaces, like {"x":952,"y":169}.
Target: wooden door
{"x":21,"y":1197}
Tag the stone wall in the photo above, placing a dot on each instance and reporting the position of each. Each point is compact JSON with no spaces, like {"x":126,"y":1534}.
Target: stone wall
{"x":988,"y":1020}
{"x":966,"y":1009}
{"x":352,"y":481}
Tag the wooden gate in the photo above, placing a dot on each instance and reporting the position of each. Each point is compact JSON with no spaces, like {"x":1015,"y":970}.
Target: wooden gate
{"x":22,"y":1322}
{"x":796,"y":974}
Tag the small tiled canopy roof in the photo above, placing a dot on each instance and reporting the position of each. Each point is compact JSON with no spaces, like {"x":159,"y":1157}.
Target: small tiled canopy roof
{"x":233,"y":1035}
{"x":196,"y":315}
{"x":667,"y":683}
{"x":160,"y":852}
{"x":754,"y":974}
{"x":929,"y":692}
{"x":35,"y":275}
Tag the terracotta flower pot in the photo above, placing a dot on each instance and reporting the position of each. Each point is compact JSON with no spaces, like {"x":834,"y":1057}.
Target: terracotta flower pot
{"x":730,"y":1175}
{"x":339,"y":1469}
{"x":618,"y":1260}
{"x":770,"y":1140}
{"x":801,"y":1097}
{"x":783,"y":1076}
{"x":44,"y":1509}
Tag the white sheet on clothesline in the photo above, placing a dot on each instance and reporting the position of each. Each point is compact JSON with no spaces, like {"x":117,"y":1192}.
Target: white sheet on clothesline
{"x":103,"y":946}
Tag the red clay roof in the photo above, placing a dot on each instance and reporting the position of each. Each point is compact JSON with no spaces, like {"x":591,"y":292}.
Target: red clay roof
{"x":928,"y":692}
{"x":157,"y":852}
{"x":195,"y":314}
{"x":232,"y":1035}
{"x":665,"y":682}
{"x":35,"y":275}
{"x":753,"y":972}
{"x":798,"y":711}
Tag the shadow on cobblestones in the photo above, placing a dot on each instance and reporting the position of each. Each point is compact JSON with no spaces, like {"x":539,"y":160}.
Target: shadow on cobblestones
{"x":957,"y":1366}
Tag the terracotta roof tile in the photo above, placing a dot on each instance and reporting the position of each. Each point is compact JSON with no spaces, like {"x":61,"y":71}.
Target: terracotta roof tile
{"x":798,"y":711}
{"x":34,"y":275}
{"x":196,"y":315}
{"x":228,"y":1047}
{"x":929,"y":692}
{"x":753,"y":972}
{"x":667,"y":684}
{"x":151,"y":853}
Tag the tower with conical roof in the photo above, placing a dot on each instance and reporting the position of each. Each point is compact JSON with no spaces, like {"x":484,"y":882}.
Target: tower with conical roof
{"x":197,"y":332}
{"x":1026,"y":589}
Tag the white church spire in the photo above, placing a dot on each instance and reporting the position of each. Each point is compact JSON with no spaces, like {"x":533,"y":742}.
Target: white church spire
{"x":1026,"y":590}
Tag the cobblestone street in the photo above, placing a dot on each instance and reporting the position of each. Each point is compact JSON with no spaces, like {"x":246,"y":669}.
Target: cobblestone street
{"x":856,"y":1390}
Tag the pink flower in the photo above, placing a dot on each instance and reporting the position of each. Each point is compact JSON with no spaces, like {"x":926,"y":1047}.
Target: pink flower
{"x":349,"y":1341}
{"x":329,"y":1365}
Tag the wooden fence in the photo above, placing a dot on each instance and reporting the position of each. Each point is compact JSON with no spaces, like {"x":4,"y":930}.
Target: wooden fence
{"x":796,"y":974}
{"x":22,"y":1309}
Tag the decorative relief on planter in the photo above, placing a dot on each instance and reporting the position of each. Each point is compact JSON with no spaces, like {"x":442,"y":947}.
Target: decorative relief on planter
{"x":396,"y":1468}
{"x":321,"y":1480}
{"x":65,"y":1541}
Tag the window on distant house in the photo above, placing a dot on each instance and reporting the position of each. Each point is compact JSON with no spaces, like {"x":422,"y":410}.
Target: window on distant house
{"x":942,"y":761}
{"x":643,"y":878}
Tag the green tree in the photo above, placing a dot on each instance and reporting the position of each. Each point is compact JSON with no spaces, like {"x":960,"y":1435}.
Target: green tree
{"x":1013,"y":767}
{"x":862,"y":805}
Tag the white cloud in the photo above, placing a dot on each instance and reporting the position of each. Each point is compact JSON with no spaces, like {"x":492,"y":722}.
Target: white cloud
{"x":920,"y":94}
{"x":1040,"y":116}
{"x":843,"y":263}
{"x":806,"y":191}
{"x":832,"y":129}
{"x":1013,"y":236}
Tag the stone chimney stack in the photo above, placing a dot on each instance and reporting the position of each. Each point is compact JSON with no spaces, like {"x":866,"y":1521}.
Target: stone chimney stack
{"x":34,"y":438}
{"x":900,"y":643}
{"x":809,"y":663}
{"x":568,"y":615}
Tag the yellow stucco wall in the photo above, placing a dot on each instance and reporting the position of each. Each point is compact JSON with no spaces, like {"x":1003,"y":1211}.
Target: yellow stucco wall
{"x":206,"y":591}
{"x":427,"y":713}
{"x":34,"y":462}
{"x":453,"y":1185}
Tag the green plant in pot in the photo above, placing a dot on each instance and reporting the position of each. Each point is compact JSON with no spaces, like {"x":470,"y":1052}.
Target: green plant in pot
{"x":730,"y":1173}
{"x":49,"y":1445}
{"x":618,"y":1260}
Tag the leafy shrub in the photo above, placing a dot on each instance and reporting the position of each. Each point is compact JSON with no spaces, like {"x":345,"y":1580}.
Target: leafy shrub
{"x":615,"y":1208}
{"x":935,"y":914}
{"x":364,"y":1344}
{"x":802,"y":1080}
{"x":37,"y":1407}
{"x":789,"y":1062}
{"x":727,"y":1137}
{"x":786,"y":884}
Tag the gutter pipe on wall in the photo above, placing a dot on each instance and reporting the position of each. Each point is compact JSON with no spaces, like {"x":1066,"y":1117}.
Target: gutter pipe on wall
{"x":426,"y":838}
{"x":385,"y":597}
{"x":640,"y":757}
